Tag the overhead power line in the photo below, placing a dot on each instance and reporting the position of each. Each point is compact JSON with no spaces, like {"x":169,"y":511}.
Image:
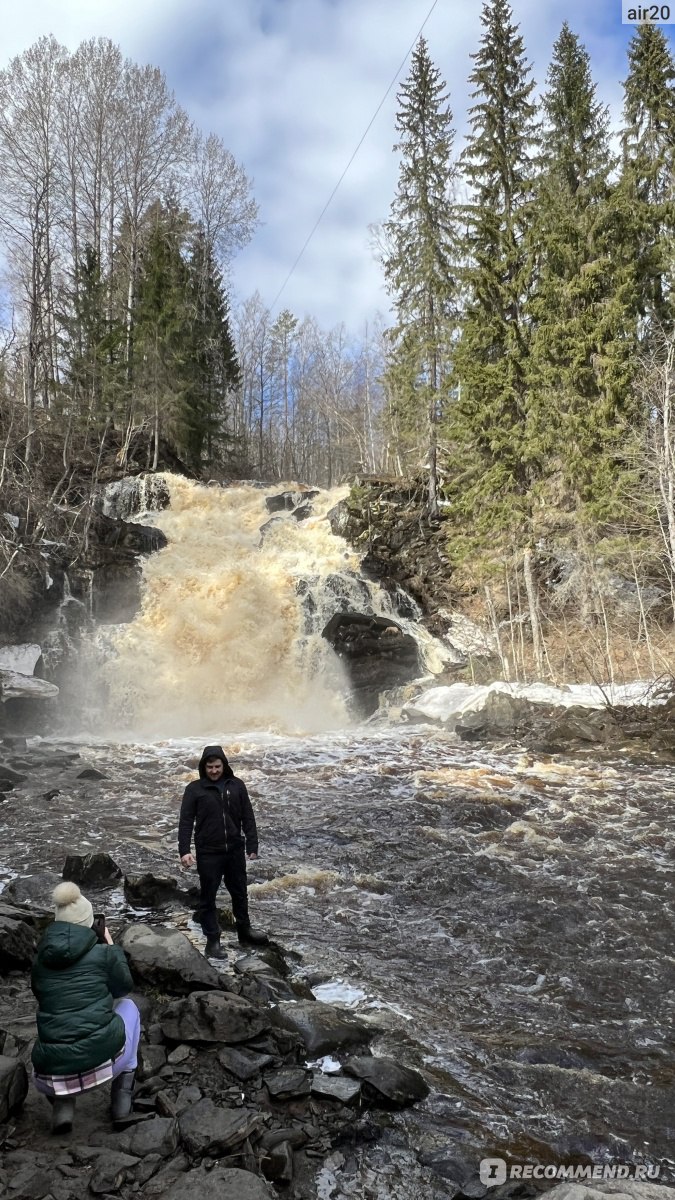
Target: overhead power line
{"x":362,"y":139}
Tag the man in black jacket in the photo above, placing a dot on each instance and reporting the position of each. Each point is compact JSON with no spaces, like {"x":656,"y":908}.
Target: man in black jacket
{"x":218,"y":808}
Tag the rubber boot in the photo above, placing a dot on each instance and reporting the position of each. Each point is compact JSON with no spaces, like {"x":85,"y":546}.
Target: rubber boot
{"x":213,"y":949}
{"x":122,"y":1096}
{"x":248,"y":936}
{"x":63,"y":1113}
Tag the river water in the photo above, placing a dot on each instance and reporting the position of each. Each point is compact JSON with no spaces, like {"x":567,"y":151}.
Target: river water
{"x":505,"y":920}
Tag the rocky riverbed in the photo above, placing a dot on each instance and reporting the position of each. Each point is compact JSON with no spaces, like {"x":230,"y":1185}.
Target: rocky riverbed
{"x":496,"y":922}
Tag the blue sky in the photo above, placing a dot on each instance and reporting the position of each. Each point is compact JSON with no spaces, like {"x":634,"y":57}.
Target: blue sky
{"x":291,"y":85}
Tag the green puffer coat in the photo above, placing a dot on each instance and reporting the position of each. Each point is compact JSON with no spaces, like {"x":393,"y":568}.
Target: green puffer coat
{"x":75,"y":979}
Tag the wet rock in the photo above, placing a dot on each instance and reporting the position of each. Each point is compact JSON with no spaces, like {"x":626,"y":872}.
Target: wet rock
{"x":111,"y":1171}
{"x":244,"y":1064}
{"x":124,"y":498}
{"x":9,"y":777}
{"x":376,"y":652}
{"x":157,"y":1187}
{"x":208,"y":1129}
{"x":166,"y":959}
{"x":13,"y":1086}
{"x":288,"y":1083}
{"x":91,"y":870}
{"x":152,"y":891}
{"x":287,"y":501}
{"x":90,"y":773}
{"x":16,"y":686}
{"x":295,"y":1135}
{"x":150,"y":1060}
{"x":221,"y":1183}
{"x":277,"y":1163}
{"x":18,"y":942}
{"x":335,"y":1087}
{"x":212,"y":1017}
{"x":322,"y":1028}
{"x":270,"y":984}
{"x":386,"y":520}
{"x":34,"y":889}
{"x":159,"y":1135}
{"x":386,"y":1081}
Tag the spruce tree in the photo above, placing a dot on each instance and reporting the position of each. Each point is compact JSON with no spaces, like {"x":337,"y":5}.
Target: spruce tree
{"x":579,"y":370}
{"x":489,"y":415}
{"x":162,"y":324}
{"x":94,"y":345}
{"x":212,"y":371}
{"x":421,"y":255}
{"x":648,"y":145}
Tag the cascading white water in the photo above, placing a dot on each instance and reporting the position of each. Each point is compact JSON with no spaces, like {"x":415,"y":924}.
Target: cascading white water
{"x":229,"y":635}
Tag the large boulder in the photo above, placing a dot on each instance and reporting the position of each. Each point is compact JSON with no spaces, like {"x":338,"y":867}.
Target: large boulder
{"x":323,"y":1029}
{"x":288,"y":501}
{"x":153,"y":891}
{"x":209,"y":1129}
{"x":91,"y":870}
{"x":386,"y":1082}
{"x":377,"y":653}
{"x":166,"y":959}
{"x":18,"y":941}
{"x":16,"y":686}
{"x":212,"y":1017}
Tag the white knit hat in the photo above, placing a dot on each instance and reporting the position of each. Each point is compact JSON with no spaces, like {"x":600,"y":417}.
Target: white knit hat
{"x":71,"y":905}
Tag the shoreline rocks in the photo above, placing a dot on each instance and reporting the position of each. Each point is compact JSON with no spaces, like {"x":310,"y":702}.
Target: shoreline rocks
{"x":225,"y":1100}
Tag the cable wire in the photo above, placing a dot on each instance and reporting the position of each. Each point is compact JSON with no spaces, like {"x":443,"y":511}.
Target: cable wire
{"x":358,"y":147}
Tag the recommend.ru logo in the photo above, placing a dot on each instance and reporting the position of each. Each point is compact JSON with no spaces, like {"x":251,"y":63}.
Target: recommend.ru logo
{"x":495,"y":1171}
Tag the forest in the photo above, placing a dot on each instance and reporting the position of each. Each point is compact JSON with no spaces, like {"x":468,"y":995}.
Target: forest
{"x":524,"y":374}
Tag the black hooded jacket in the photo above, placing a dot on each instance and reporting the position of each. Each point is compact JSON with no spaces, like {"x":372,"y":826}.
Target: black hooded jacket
{"x":220,"y":822}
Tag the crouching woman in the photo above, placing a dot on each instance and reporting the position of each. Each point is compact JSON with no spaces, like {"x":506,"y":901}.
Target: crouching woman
{"x":86,"y":1034}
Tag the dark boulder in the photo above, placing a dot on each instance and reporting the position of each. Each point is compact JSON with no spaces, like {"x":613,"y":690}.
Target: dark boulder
{"x":377,"y":653}
{"x":386,"y":1082}
{"x":287,"y":501}
{"x":153,"y":891}
{"x":91,"y":870}
{"x":166,"y":959}
{"x":323,"y":1029}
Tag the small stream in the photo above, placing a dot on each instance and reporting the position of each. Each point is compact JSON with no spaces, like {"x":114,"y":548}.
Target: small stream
{"x":506,"y":920}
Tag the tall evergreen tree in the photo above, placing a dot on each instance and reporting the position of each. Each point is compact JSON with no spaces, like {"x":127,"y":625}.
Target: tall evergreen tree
{"x":579,"y":370}
{"x":648,"y":143}
{"x":212,"y":372}
{"x":421,"y":255}
{"x":161,"y":321}
{"x":491,"y":360}
{"x":93,"y":344}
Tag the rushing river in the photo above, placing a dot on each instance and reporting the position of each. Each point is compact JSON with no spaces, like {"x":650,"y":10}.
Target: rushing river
{"x":507,"y":921}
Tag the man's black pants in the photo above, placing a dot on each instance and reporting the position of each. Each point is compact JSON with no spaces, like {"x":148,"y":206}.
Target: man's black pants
{"x":229,"y":866}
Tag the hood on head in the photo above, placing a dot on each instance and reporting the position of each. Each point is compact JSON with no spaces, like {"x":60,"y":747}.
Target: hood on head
{"x":63,"y":943}
{"x":214,"y":752}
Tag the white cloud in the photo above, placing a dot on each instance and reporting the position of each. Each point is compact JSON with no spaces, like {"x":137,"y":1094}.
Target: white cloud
{"x":291,"y":86}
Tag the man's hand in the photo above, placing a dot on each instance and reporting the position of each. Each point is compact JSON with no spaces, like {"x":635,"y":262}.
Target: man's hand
{"x":106,"y":934}
{"x":252,"y":855}
{"x":187,"y":860}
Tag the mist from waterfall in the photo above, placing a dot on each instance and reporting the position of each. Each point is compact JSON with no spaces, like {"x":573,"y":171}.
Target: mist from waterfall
{"x":229,"y":634}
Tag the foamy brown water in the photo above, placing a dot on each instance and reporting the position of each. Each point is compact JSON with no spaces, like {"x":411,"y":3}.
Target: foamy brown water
{"x":222,"y":641}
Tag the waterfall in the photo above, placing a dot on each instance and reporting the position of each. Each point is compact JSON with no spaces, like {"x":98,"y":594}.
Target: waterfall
{"x":229,"y":634}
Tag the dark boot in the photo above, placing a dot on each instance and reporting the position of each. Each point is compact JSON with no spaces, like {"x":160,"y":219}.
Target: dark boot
{"x":63,"y":1113}
{"x":213,"y":949}
{"x":122,"y":1096}
{"x":248,"y":936}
